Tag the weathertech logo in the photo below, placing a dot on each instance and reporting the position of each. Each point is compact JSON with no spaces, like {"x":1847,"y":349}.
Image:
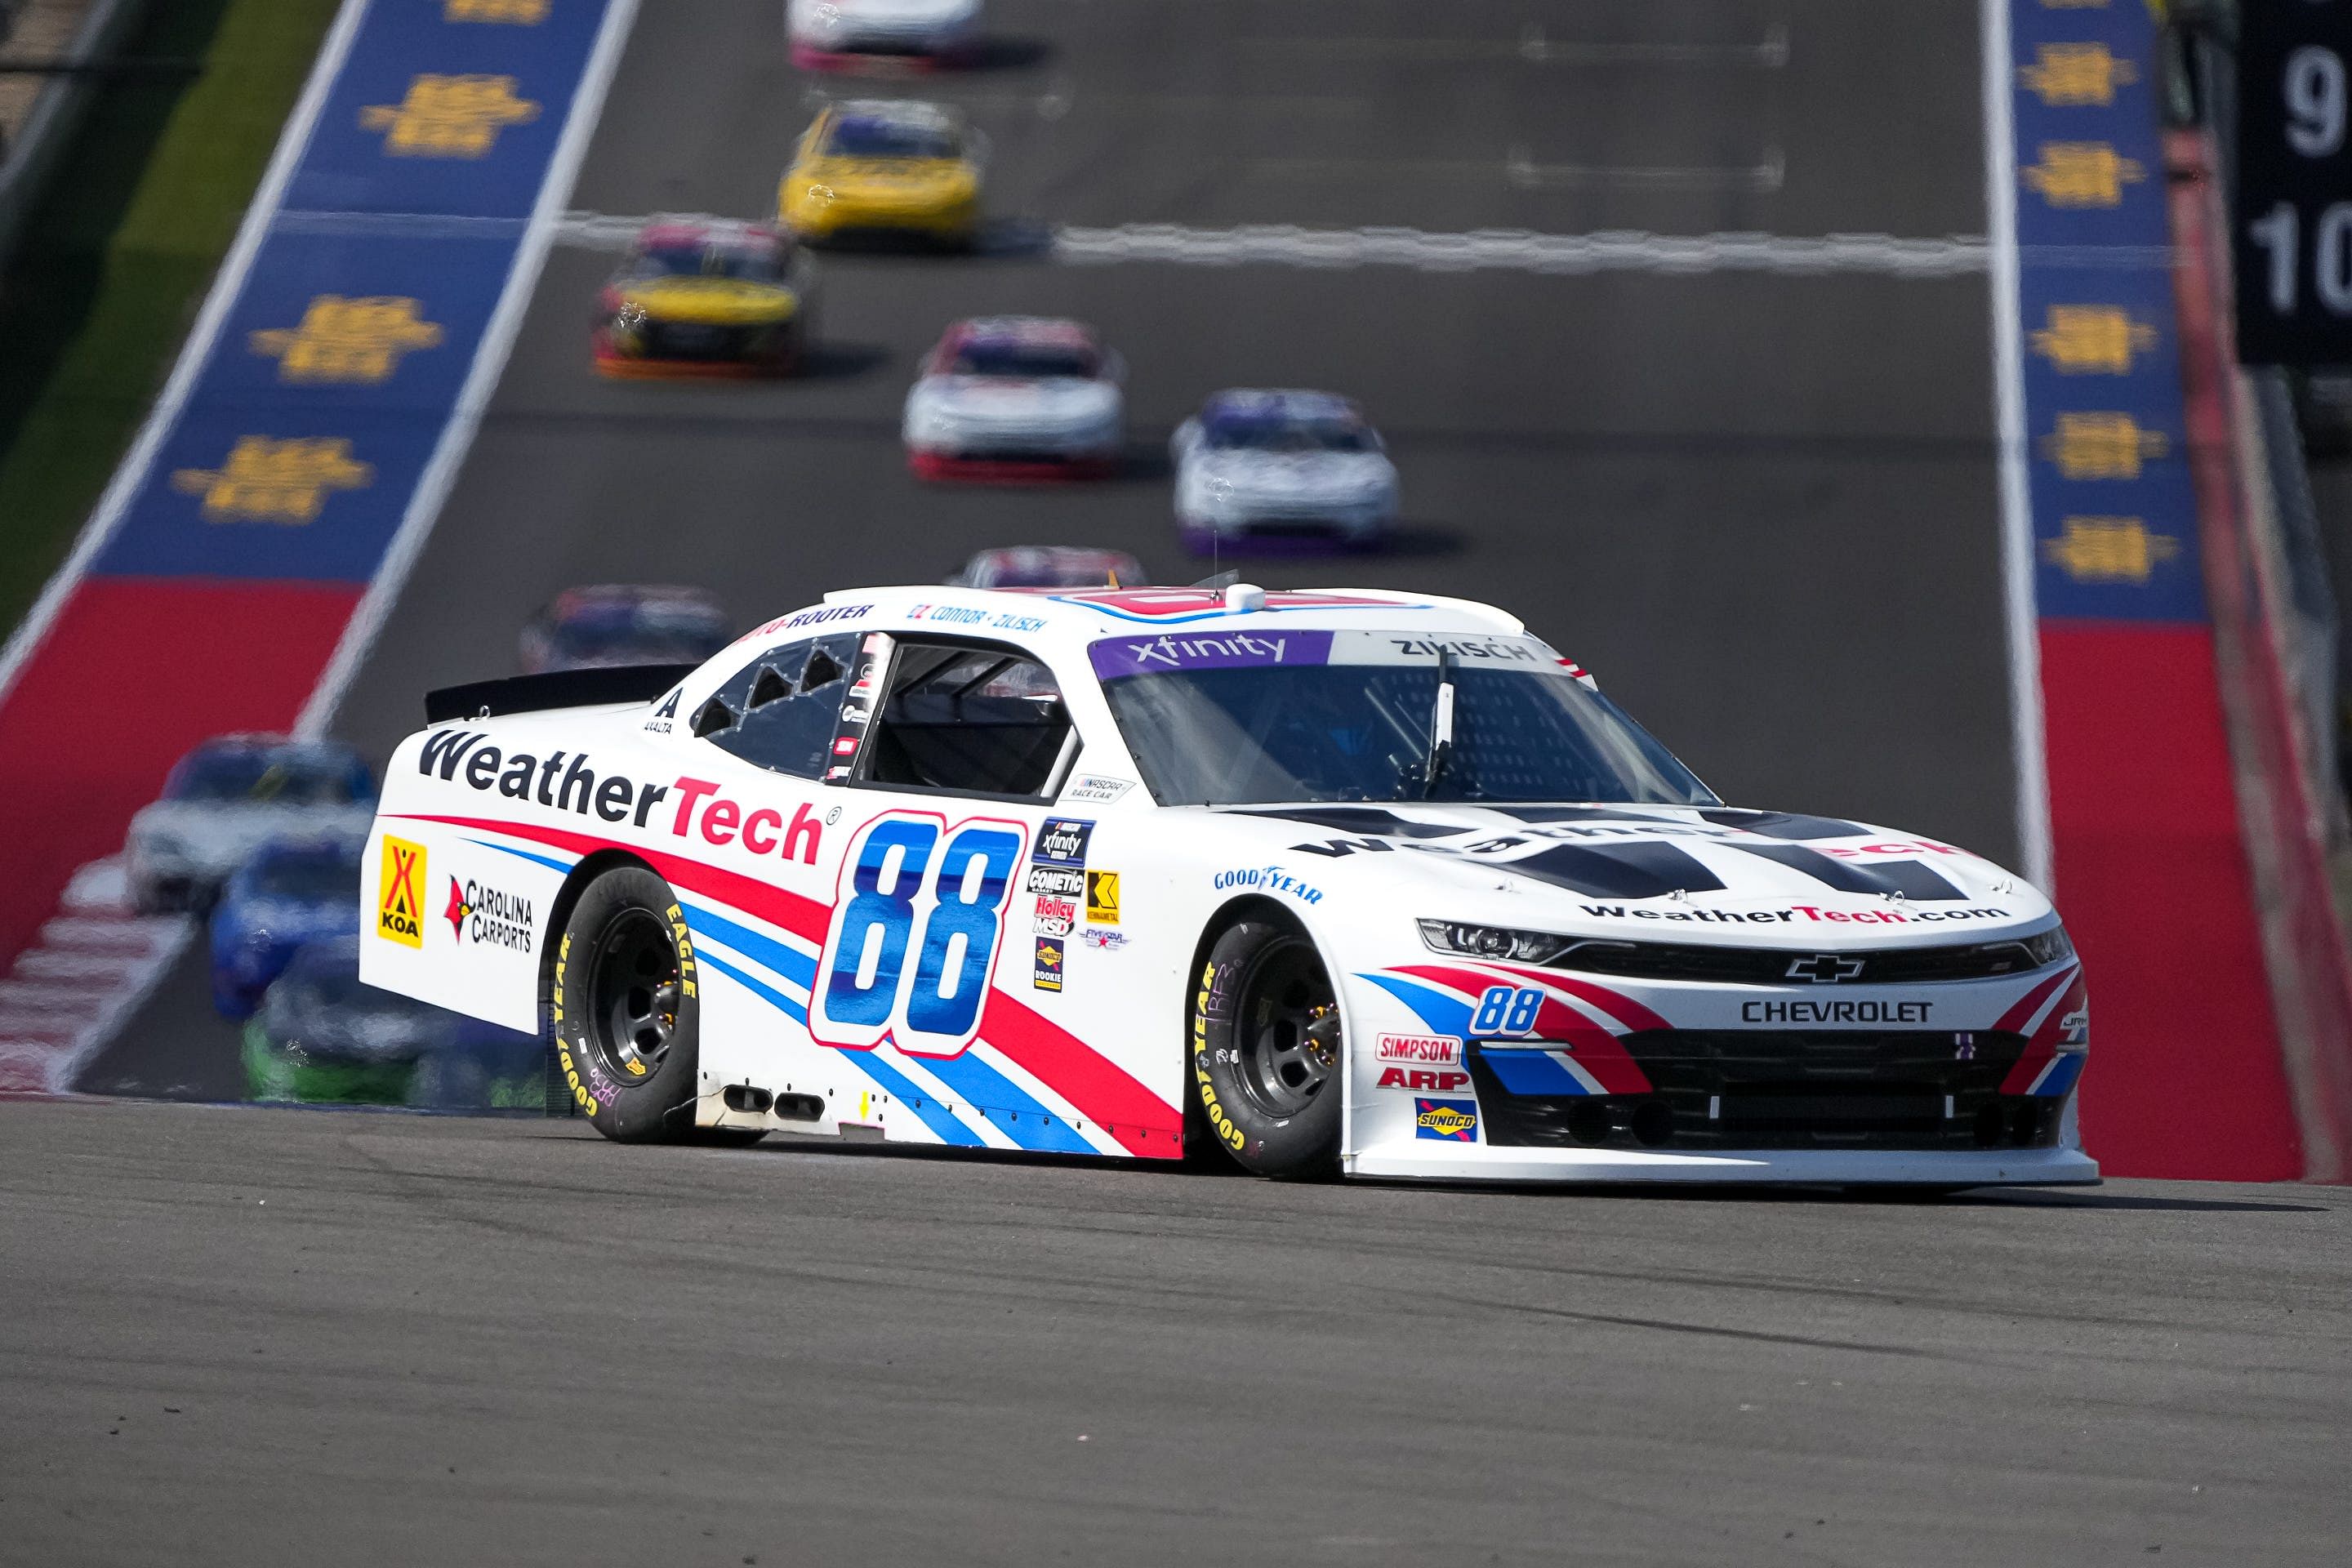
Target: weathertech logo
{"x":1449,"y":1121}
{"x":400,"y":895}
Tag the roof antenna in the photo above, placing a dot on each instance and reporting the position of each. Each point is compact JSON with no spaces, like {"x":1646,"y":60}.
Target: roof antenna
{"x":1221,"y":582}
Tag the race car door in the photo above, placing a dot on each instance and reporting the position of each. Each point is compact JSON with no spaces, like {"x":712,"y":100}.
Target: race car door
{"x":949,"y":751}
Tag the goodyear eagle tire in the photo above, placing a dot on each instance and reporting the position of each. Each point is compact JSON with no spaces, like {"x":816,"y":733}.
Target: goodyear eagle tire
{"x":1267,"y":1052}
{"x":626,"y":1011}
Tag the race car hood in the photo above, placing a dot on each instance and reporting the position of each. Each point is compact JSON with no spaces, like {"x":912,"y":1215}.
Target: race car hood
{"x":905,"y":11}
{"x":1052,"y":403}
{"x":1712,"y":875}
{"x":712,"y":301}
{"x":1297,"y":474}
{"x":907,"y":180}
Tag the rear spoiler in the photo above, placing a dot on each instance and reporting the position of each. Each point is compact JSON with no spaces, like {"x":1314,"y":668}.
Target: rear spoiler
{"x":558,"y":689}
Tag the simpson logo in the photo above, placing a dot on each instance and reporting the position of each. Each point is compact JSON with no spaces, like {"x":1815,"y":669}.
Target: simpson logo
{"x":1426,"y":1080}
{"x":1054,"y":916}
{"x":1446,"y":1120}
{"x":1425,"y":1050}
{"x":1102,"y":897}
{"x":1061,"y":842}
{"x":400,"y":895}
{"x":1046,"y":974}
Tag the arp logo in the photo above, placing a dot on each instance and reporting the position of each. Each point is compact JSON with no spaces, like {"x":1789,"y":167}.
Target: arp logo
{"x":400,"y":894}
{"x":1447,"y":1120}
{"x":1439,"y":1080}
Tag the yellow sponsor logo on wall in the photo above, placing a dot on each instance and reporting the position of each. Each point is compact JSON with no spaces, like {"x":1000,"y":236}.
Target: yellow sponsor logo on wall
{"x":269,"y":480}
{"x":519,"y":13}
{"x":2082,"y":174}
{"x":348,"y":340}
{"x":2109,"y":549}
{"x":2100,"y":446}
{"x":449,"y":116}
{"x":400,"y":893}
{"x":2097,"y":340}
{"x":2076,"y":76}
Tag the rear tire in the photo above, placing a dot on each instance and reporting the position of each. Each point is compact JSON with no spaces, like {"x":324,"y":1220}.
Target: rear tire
{"x":1266,"y":1051}
{"x":626,"y":1018}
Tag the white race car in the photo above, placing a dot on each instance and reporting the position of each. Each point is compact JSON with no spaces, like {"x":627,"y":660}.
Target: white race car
{"x":227,"y":798}
{"x":837,"y":35}
{"x":1336,"y":880}
{"x":1015,"y":397}
{"x":1281,"y":467}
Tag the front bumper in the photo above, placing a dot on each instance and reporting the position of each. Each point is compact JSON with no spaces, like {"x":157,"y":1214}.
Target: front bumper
{"x":662,"y":349}
{"x":1437,"y":1162}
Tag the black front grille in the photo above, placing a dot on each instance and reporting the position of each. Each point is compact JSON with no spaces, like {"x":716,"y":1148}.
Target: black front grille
{"x":1769,"y":966}
{"x":1766,"y":1089}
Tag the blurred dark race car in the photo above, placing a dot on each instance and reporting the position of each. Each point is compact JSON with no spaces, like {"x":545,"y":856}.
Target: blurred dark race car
{"x":231,"y":794}
{"x":1050,"y":567}
{"x":706,"y":298}
{"x":1016,"y":398}
{"x":289,"y":893}
{"x":324,"y":1038}
{"x":619,"y":623}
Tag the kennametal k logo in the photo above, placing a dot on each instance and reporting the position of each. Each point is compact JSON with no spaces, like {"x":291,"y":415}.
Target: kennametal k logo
{"x":1825,"y":968}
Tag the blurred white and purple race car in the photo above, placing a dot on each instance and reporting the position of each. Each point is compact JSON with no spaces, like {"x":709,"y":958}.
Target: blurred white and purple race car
{"x":851,"y":34}
{"x":1259,"y":467}
{"x":1016,"y":398}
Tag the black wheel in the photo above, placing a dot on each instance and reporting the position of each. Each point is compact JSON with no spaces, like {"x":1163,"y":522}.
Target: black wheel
{"x":625,"y":1014}
{"x":1266,"y":1051}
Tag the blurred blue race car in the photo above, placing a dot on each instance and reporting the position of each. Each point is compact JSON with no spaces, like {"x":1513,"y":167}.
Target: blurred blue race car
{"x":289,"y":893}
{"x":619,"y":623}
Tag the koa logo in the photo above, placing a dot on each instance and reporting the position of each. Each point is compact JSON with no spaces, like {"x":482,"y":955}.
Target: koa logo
{"x":400,"y":893}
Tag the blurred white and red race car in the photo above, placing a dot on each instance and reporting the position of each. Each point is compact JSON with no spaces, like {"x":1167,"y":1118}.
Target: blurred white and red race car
{"x":1016,"y":398}
{"x":1339,"y":880}
{"x":871,"y":35}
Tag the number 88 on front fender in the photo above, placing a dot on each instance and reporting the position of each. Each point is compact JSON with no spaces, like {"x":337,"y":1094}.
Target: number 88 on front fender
{"x":917,"y":924}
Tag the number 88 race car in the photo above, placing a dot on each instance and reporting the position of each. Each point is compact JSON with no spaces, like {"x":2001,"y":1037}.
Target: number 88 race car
{"x":1336,"y":881}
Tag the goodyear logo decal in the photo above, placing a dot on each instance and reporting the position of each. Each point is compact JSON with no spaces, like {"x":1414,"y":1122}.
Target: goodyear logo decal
{"x":1446,"y":1120}
{"x":400,"y":893}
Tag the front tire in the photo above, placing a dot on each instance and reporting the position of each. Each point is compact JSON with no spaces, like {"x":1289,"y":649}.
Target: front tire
{"x":1266,"y":1051}
{"x":626,"y":1016}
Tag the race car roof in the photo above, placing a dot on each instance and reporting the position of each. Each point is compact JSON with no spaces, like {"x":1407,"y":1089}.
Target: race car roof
{"x":1259,"y":407}
{"x":730,"y":234}
{"x":1046,"y":615}
{"x":1023,"y":332}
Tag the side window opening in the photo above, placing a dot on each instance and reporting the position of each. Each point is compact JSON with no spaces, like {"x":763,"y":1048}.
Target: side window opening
{"x":780,"y":712}
{"x":713,"y":717}
{"x":977,"y":721}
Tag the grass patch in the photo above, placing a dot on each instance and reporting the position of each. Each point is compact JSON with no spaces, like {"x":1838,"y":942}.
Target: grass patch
{"x":115,"y":261}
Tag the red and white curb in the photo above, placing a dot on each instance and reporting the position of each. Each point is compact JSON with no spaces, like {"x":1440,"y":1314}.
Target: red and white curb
{"x":94,"y":961}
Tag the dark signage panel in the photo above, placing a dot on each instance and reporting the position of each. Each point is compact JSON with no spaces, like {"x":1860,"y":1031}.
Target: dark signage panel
{"x":2292,"y":225}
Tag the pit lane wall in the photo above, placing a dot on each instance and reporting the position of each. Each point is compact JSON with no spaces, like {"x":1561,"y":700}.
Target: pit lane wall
{"x":2148,"y":846}
{"x":319,"y":408}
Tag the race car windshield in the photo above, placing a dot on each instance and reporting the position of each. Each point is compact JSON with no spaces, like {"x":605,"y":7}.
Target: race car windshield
{"x":1289,"y":436}
{"x":276,"y":778}
{"x":742,"y":264}
{"x":1032,"y":362}
{"x":1258,"y":734}
{"x":888,"y":139}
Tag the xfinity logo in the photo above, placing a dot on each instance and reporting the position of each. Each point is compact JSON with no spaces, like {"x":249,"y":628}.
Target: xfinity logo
{"x":1174,"y":652}
{"x":1824,"y":968}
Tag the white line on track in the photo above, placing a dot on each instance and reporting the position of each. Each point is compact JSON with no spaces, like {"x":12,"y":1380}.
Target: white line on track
{"x":482,"y":380}
{"x":1535,"y":49}
{"x":1492,"y":249}
{"x":2025,"y":716}
{"x":1765,"y":177}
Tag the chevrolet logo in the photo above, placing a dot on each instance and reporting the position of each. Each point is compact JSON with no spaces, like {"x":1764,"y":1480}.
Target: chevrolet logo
{"x":1824,"y":968}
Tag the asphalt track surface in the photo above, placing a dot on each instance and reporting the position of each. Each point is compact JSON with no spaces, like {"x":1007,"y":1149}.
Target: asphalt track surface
{"x":1761,"y":508}
{"x":253,"y":1336}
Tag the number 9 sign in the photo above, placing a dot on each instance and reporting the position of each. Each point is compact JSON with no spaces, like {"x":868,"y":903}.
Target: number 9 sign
{"x":917,"y":922}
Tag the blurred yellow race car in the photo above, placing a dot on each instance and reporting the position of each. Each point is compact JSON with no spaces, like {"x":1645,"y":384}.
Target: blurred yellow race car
{"x":874,"y":169}
{"x":704,"y":298}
